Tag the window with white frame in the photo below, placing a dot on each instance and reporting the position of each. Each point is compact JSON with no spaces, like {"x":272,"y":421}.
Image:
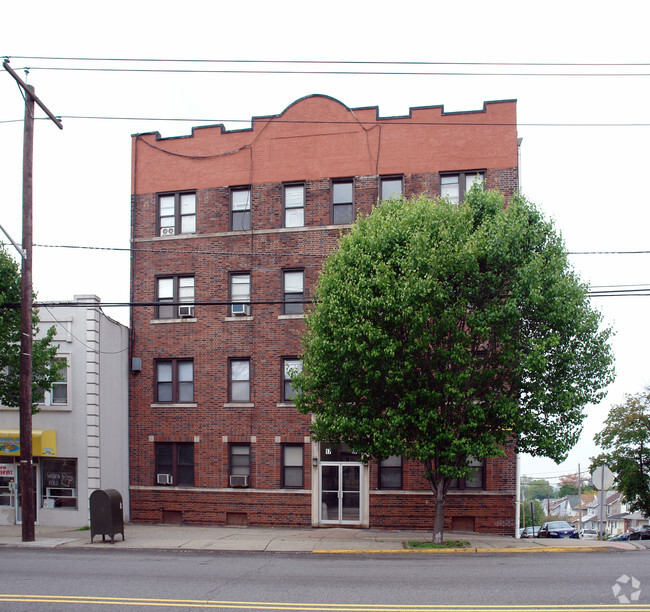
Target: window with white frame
{"x":240,"y":380}
{"x":58,"y":394}
{"x":454,"y":186}
{"x":391,"y":187}
{"x":293,"y":291}
{"x":290,"y":366}
{"x":294,"y":205}
{"x":240,"y":209}
{"x":240,"y":293}
{"x":170,"y":290}
{"x":176,"y":213}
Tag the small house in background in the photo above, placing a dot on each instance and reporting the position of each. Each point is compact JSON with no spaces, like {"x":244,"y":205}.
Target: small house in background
{"x":80,"y":433}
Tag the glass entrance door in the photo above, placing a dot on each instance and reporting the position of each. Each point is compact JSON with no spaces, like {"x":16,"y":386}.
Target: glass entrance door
{"x":340,"y":493}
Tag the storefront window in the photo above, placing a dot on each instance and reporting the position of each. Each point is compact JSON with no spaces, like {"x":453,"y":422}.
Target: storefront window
{"x":59,"y":478}
{"x":7,"y":484}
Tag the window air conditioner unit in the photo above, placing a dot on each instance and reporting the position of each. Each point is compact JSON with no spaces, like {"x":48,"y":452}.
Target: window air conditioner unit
{"x":164,"y":479}
{"x":185,"y":311}
{"x":238,"y":481}
{"x":167,"y":231}
{"x":240,"y":309}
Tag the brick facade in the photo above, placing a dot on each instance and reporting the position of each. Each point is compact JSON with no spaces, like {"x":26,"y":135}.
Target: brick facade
{"x":313,"y":141}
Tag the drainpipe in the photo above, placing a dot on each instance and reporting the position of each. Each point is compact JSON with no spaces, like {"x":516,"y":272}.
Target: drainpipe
{"x":517,"y":496}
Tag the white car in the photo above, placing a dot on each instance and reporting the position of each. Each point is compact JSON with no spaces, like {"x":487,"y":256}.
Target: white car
{"x":588,"y":534}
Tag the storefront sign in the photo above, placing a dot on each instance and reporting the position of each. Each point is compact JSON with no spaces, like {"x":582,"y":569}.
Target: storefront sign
{"x":43,"y":443}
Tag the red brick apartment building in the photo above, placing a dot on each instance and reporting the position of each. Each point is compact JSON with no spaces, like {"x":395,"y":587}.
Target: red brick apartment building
{"x":229,"y":233}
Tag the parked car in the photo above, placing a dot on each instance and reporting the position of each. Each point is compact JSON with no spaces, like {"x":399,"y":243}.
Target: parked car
{"x":621,"y":537}
{"x":557,"y":529}
{"x":642,"y":532}
{"x":530,"y":532}
{"x":588,"y":534}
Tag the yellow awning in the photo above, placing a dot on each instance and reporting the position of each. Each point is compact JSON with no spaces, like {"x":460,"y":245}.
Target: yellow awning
{"x":43,"y":442}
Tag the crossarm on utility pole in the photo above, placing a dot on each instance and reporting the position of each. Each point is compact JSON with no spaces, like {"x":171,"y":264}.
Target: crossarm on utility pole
{"x":25,"y":87}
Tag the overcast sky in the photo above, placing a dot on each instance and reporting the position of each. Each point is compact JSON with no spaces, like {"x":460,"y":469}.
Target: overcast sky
{"x":583,"y":161}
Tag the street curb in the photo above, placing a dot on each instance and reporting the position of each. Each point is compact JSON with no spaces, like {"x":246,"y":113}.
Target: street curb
{"x":466,"y":551}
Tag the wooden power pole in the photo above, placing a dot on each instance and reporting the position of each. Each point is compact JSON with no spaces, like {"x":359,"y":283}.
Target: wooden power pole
{"x":26,"y":333}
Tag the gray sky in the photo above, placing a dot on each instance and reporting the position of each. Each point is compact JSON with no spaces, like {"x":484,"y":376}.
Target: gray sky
{"x":586,"y":177}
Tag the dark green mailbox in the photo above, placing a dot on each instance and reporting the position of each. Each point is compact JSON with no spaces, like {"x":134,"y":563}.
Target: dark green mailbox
{"x":106,"y":514}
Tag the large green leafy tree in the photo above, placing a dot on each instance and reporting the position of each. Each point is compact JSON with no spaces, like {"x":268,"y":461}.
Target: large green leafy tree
{"x":46,"y":369}
{"x":444,"y":332}
{"x":537,"y":489}
{"x":626,"y":442}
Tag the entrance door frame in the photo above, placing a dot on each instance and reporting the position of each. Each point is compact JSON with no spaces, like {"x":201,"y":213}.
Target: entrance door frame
{"x":341,"y":492}
{"x":364,"y":491}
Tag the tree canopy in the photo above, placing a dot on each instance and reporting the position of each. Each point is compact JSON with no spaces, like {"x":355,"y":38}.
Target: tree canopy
{"x":442,"y":332}
{"x":537,"y":488}
{"x":46,"y":369}
{"x":568,"y":485}
{"x":626,"y":442}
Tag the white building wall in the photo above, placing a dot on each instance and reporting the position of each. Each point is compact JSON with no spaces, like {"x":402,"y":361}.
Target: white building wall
{"x":92,"y":426}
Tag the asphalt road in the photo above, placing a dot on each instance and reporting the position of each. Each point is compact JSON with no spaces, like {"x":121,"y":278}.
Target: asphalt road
{"x":53,"y":580}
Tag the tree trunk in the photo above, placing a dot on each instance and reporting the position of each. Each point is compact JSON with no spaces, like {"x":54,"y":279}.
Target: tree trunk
{"x":439,"y":519}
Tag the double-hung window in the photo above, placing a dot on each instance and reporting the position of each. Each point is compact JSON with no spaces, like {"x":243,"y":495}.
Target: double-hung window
{"x":240,"y":380}
{"x":454,"y":186}
{"x":240,"y":209}
{"x":293,"y":291}
{"x":294,"y":205}
{"x":391,"y":187}
{"x":476,"y":478}
{"x":240,"y":460}
{"x":240,"y":293}
{"x":289,"y":366}
{"x":390,"y":473}
{"x":175,"y":463}
{"x":174,"y":381}
{"x":176,"y":213}
{"x":342,"y":202}
{"x":170,"y":290}
{"x":58,"y":394}
{"x":292,"y":466}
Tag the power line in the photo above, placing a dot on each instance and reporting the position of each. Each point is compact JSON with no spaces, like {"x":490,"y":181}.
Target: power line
{"x":338,"y":72}
{"x":380,"y":121}
{"x":214,"y":252}
{"x":334,"y":62}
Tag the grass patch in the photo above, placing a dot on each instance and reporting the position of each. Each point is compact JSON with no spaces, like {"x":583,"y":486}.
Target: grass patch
{"x":447,"y":544}
{"x":86,"y":528}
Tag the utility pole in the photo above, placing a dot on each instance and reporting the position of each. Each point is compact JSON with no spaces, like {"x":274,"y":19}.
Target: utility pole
{"x":579,"y":500}
{"x":26,"y":337}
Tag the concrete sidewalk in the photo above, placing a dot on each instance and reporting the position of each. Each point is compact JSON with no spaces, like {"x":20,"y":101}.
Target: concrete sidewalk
{"x":307,"y":540}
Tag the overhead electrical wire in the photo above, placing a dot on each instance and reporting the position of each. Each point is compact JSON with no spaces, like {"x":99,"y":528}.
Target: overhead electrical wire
{"x":333,"y":63}
{"x":213,"y":252}
{"x":338,"y":72}
{"x":317,"y":61}
{"x":378,"y":121}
